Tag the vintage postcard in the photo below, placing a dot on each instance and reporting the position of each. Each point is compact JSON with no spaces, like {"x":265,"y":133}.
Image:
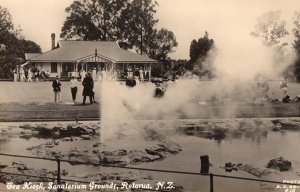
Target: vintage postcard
{"x":150,"y":95}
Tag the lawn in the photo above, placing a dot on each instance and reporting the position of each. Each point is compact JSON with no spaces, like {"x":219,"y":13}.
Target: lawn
{"x":38,"y":92}
{"x":23,"y":101}
{"x":34,"y":101}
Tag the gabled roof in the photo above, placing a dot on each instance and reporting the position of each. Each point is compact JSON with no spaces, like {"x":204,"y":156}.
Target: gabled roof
{"x":31,"y":55}
{"x":71,"y":51}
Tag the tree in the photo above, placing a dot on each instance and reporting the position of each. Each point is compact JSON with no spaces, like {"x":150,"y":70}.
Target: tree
{"x":199,"y":49}
{"x":270,"y":28}
{"x":28,"y":46}
{"x":6,"y":24}
{"x":138,"y":24}
{"x":194,"y":51}
{"x":93,"y":19}
{"x":130,"y":22}
{"x":162,"y":44}
{"x":12,"y":49}
{"x":198,"y":53}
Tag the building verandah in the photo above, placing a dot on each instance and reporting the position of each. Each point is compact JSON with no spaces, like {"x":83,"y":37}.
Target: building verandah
{"x":105,"y":66}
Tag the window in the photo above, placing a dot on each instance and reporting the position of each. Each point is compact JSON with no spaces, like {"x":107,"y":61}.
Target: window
{"x":53,"y":67}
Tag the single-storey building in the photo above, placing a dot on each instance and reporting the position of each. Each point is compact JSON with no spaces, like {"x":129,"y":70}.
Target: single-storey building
{"x":71,"y":56}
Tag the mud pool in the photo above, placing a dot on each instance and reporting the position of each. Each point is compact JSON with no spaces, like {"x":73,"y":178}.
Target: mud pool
{"x":255,"y":148}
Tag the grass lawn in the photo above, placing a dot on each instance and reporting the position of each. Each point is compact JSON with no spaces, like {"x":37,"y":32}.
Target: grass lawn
{"x":38,"y":92}
{"x":20,"y":101}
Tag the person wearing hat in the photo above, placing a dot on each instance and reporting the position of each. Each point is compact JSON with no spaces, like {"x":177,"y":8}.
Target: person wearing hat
{"x":88,"y":85}
{"x":56,"y":89}
{"x":73,"y":87}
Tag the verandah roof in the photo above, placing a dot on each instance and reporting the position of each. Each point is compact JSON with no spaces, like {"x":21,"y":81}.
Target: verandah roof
{"x":72,"y":51}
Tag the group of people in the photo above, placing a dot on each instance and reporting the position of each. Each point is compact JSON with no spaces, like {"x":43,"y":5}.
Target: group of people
{"x":87,"y":83}
{"x":23,"y":74}
{"x":263,"y":89}
{"x":141,"y":74}
{"x":101,"y":75}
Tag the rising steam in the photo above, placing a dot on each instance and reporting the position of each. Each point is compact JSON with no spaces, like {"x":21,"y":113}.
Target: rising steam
{"x":236,"y":64}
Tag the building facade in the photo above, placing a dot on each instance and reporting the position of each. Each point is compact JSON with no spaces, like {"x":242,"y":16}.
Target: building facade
{"x":72,"y":57}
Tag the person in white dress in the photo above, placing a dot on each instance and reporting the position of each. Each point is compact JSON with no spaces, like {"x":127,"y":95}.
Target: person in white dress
{"x":94,"y":73}
{"x":22,"y":74}
{"x":83,"y":73}
{"x":30,"y":73}
{"x":73,"y":87}
{"x":141,"y":71}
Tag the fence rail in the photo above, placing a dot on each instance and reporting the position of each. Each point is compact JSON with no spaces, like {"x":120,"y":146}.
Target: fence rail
{"x":59,"y":179}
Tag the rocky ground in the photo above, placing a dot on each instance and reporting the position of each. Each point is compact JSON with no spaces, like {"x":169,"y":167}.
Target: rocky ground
{"x":80,"y":143}
{"x":220,"y":129}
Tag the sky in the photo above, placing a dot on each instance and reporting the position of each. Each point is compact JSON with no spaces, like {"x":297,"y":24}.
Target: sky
{"x":224,"y":20}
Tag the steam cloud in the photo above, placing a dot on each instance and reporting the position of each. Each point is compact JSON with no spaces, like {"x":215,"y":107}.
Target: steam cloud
{"x":236,"y":65}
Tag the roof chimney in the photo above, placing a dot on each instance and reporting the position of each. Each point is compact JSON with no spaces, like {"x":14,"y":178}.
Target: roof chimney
{"x":52,"y":40}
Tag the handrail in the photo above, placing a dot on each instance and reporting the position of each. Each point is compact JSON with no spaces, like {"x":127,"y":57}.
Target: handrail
{"x":147,"y":169}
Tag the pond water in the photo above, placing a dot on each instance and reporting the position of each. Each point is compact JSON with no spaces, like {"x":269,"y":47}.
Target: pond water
{"x":254,"y":149}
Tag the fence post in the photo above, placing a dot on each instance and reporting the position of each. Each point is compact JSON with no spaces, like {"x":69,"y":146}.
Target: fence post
{"x":58,"y":173}
{"x":76,"y":115}
{"x":211,"y":179}
{"x":204,"y":164}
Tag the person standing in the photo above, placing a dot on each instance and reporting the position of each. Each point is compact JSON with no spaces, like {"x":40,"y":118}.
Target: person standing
{"x":130,"y":73}
{"x":30,"y":75}
{"x":73,"y":87}
{"x":37,"y":75}
{"x":103,"y":74}
{"x":22,"y":74}
{"x":56,"y":89}
{"x":146,"y":74}
{"x":88,"y":85}
{"x":284,"y":87}
{"x":94,"y":72}
{"x":141,"y":71}
{"x":18,"y":73}
{"x":15,"y":75}
{"x":82,"y":74}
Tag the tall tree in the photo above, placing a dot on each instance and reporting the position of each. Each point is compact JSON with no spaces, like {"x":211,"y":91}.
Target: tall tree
{"x":162,"y":44}
{"x":270,"y":28}
{"x":93,"y":19}
{"x":138,"y":24}
{"x":199,"y":49}
{"x":194,"y":51}
{"x":12,"y":49}
{"x":130,"y":22}
{"x":198,"y":54}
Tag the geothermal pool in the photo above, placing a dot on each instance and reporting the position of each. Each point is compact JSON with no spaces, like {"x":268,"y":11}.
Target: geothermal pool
{"x":256,"y":149}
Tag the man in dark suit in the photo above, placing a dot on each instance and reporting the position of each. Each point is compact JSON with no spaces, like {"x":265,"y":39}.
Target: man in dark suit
{"x":56,"y":89}
{"x":88,"y":85}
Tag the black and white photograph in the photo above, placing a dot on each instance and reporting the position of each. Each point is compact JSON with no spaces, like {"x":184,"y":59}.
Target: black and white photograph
{"x":150,"y":95}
